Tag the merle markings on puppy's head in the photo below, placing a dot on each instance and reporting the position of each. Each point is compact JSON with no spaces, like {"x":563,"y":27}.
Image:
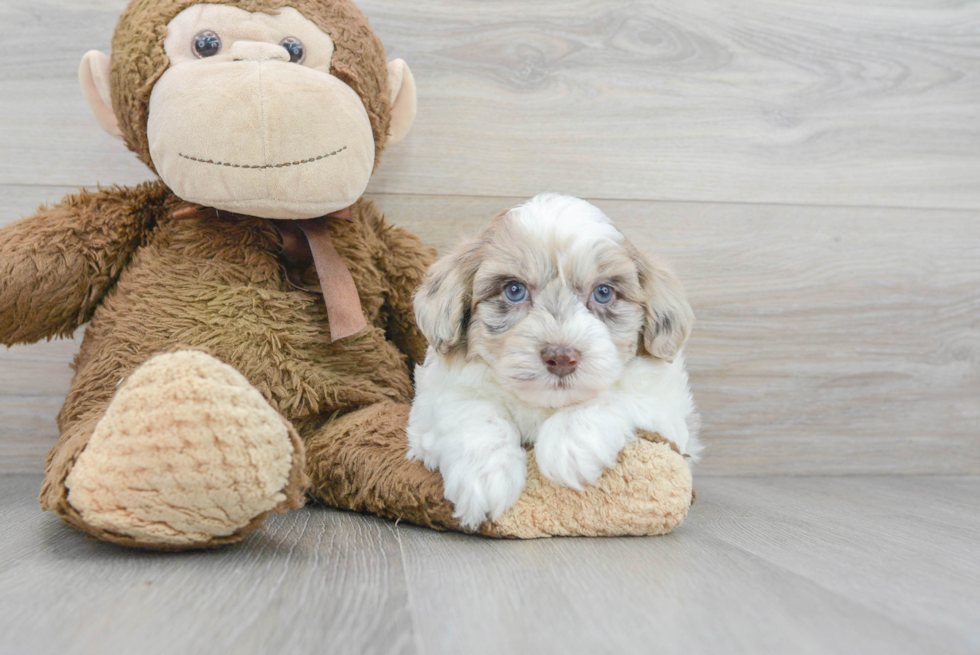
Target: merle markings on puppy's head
{"x":555,"y":300}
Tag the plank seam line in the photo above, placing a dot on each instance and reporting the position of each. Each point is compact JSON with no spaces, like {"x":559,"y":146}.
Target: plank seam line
{"x":764,"y":203}
{"x":417,"y":640}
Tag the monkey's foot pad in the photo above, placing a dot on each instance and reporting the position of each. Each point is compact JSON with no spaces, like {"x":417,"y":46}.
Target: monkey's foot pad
{"x":648,"y":492}
{"x":187,"y":452}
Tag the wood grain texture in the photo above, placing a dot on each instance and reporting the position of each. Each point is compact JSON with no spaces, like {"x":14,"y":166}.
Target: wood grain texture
{"x":316,"y":581}
{"x":873,"y":541}
{"x":828,"y":340}
{"x":869,"y":103}
{"x":764,"y":565}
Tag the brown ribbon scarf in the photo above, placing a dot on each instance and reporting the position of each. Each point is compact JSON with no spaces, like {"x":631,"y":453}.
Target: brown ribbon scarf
{"x":336,"y":283}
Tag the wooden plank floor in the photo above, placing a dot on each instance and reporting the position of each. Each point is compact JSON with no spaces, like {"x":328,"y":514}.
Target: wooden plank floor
{"x":771,"y":564}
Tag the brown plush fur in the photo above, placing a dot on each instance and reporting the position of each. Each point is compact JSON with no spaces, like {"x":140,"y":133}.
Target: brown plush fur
{"x":149,"y":283}
{"x":358,"y":461}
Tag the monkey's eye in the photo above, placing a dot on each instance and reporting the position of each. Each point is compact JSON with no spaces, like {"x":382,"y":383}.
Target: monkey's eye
{"x":515,"y":292}
{"x":206,"y":44}
{"x":297,"y":53}
{"x":603,"y":294}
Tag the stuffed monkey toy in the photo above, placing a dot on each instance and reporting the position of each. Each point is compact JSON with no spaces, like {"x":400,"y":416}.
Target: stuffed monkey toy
{"x":250,"y":330}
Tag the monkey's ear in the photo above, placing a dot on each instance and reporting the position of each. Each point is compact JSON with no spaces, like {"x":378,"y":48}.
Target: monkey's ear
{"x":403,"y":103}
{"x":669,"y":317}
{"x":93,"y":73}
{"x":442,"y":303}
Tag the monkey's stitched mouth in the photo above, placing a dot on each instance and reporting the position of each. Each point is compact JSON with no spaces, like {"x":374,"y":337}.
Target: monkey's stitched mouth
{"x":283,"y":165}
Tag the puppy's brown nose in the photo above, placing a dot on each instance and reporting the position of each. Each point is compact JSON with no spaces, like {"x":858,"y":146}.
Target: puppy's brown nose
{"x":560,"y":360}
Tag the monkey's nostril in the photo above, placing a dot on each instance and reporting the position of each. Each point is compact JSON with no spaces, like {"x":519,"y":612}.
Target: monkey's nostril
{"x":560,"y":360}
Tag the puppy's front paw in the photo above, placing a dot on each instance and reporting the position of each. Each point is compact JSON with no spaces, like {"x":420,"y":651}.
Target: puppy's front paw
{"x":487,"y":486}
{"x":416,"y":452}
{"x":574,"y":448}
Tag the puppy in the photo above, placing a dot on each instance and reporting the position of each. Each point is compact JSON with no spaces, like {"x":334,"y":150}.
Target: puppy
{"x":549,"y":329}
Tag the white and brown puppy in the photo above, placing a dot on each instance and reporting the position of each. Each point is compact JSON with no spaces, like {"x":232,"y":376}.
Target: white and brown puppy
{"x":547,"y":329}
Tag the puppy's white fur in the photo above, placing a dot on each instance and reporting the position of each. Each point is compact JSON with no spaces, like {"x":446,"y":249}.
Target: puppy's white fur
{"x":484,"y":391}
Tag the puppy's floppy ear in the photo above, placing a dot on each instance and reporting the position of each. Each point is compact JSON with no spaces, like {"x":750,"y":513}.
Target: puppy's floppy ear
{"x":442,"y":303}
{"x":669,"y":317}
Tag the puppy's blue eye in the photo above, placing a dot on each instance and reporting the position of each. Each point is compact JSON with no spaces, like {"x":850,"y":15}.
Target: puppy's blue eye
{"x":603,"y":294}
{"x":515,"y":292}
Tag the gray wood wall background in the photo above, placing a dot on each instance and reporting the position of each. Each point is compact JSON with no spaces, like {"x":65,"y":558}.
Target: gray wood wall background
{"x":812,"y":170}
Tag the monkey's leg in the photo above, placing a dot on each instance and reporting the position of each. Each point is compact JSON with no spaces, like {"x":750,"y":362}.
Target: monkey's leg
{"x":358,"y":462}
{"x":186,"y":455}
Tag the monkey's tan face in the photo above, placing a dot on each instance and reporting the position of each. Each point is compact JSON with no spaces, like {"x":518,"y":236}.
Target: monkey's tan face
{"x":248,"y":118}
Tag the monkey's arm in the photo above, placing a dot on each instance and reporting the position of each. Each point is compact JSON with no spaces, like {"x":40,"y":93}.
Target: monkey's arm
{"x":56,"y":266}
{"x":406,"y":262}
